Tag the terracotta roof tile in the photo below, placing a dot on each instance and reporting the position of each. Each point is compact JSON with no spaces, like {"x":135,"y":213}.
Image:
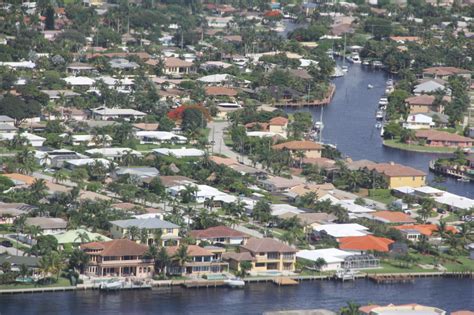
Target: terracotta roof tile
{"x":220,"y":91}
{"x":278,"y":121}
{"x":445,"y":70}
{"x":393,"y":216}
{"x":396,"y":170}
{"x":425,"y":229}
{"x":436,"y":135}
{"x":298,"y":145}
{"x":193,"y":250}
{"x":121,"y":247}
{"x":363,"y":243}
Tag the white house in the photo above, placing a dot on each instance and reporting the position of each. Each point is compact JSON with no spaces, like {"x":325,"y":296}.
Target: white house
{"x":90,"y":140}
{"x":203,"y":193}
{"x":333,"y":257}
{"x":18,"y":64}
{"x":34,"y":140}
{"x":124,"y":85}
{"x":180,"y":153}
{"x":112,"y":153}
{"x":342,"y":230}
{"x":79,"y":81}
{"x":418,"y":121}
{"x":159,"y":136}
{"x":104,"y":113}
{"x":72,"y":164}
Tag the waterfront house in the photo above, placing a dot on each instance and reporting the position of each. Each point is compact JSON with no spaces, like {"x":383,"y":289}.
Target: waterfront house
{"x":333,"y":257}
{"x":365,"y":243}
{"x":120,"y":258}
{"x":430,"y":86}
{"x":445,"y":72}
{"x":48,"y":226}
{"x":341,"y":230}
{"x":16,"y":262}
{"x":398,"y":175}
{"x":219,"y":235}
{"x":425,"y":103}
{"x":158,"y":231}
{"x":311,"y":149}
{"x":435,"y":138}
{"x":275,"y":126}
{"x":201,"y":261}
{"x":265,"y":254}
{"x":408,"y":309}
{"x":418,"y":121}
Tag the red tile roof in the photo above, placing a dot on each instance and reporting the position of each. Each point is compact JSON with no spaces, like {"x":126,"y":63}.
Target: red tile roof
{"x":364,"y":243}
{"x":445,"y":71}
{"x":395,"y":170}
{"x":393,"y":216}
{"x":298,"y":145}
{"x":425,"y":229}
{"x":220,"y":91}
{"x":278,"y":121}
{"x":121,"y":247}
{"x":173,"y":62}
{"x":216,"y":232}
{"x":436,"y":135}
{"x":193,"y":251}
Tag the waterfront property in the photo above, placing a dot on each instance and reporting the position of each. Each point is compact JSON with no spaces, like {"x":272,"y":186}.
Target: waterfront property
{"x":408,"y":309}
{"x":266,"y":254}
{"x":365,"y":243}
{"x":435,"y":138}
{"x":425,"y":103}
{"x":200,"y":261}
{"x":118,"y":258}
{"x":445,"y":72}
{"x":391,"y":217}
{"x":399,"y":175}
{"x":415,"y":232}
{"x":309,"y":148}
{"x":333,"y":258}
{"x":158,"y":231}
{"x":219,"y":235}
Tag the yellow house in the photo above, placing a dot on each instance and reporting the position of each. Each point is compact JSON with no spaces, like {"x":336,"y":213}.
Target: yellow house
{"x":167,"y":232}
{"x":265,"y":254}
{"x":311,"y":149}
{"x":399,"y":175}
{"x":279,"y":125}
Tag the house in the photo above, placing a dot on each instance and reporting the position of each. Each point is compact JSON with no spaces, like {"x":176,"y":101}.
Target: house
{"x":146,"y":126}
{"x":392,"y":217}
{"x":159,"y":137}
{"x":79,"y":81}
{"x":418,"y":121}
{"x":278,"y":125}
{"x":74,"y":163}
{"x":104,"y":113}
{"x":408,"y":309}
{"x":123,"y":64}
{"x":218,"y":22}
{"x":48,"y":226}
{"x":341,"y":230}
{"x":56,"y":158}
{"x":168,"y":232}
{"x":34,"y":140}
{"x":365,"y":243}
{"x":77,"y":68}
{"x":398,"y":175}
{"x":180,"y":153}
{"x":445,"y":72}
{"x":79,"y":236}
{"x":6,"y":120}
{"x":9,"y":214}
{"x":414,"y":232}
{"x":333,"y":257}
{"x":115,"y":154}
{"x":425,"y":103}
{"x":309,"y":148}
{"x":219,"y":235}
{"x":277,"y":183}
{"x":436,"y":138}
{"x":309,"y":220}
{"x":201,"y":261}
{"x":118,"y":258}
{"x":265,"y":254}
{"x":138,"y":173}
{"x":203,"y":193}
{"x":178,"y":67}
{"x":431,"y":86}
{"x":89,"y":140}
{"x":16,"y":262}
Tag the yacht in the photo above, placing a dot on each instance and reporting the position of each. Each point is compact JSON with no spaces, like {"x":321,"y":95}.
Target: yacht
{"x":235,"y":283}
{"x":370,"y":86}
{"x":354,"y":58}
{"x":379,"y":115}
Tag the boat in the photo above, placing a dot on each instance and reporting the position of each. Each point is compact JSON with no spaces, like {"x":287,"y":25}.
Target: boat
{"x":377,"y":64}
{"x":464,"y":180}
{"x":365,"y":63}
{"x":345,"y":274}
{"x":318,"y":125}
{"x":111,"y":285}
{"x":338,"y":72}
{"x":235,"y":283}
{"x":370,"y":86}
{"x":383,"y":101}
{"x":345,"y":68}
{"x":378,"y":125}
{"x":354,"y":58}
{"x":379,"y":115}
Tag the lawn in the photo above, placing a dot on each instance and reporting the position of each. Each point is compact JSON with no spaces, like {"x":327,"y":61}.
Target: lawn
{"x":62,"y":282}
{"x":381,"y":195}
{"x":146,"y":147}
{"x":417,"y":148}
{"x":390,"y":268}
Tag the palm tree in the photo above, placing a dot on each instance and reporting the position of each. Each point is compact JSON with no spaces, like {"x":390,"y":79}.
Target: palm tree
{"x":38,"y":189}
{"x":157,"y":234}
{"x":133,"y":233}
{"x":351,"y":308}
{"x":34,"y":231}
{"x":82,"y":237}
{"x":182,"y":255}
{"x":60,"y":176}
{"x":129,"y":158}
{"x":300,"y":155}
{"x":163,"y":260}
{"x":144,"y":236}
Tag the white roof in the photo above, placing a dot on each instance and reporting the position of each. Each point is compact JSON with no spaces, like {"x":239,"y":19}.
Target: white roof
{"x":330,"y":255}
{"x":18,"y":64}
{"x":224,"y":65}
{"x":260,"y":134}
{"x":279,"y":209}
{"x":104,"y":111}
{"x":27,"y":135}
{"x":405,"y":190}
{"x":455,"y":201}
{"x":419,"y":118}
{"x":342,"y":230}
{"x":83,"y":138}
{"x":216,"y":78}
{"x":206,"y":192}
{"x":88,"y":161}
{"x":112,"y":81}
{"x":160,"y":135}
{"x":428,"y":86}
{"x":79,"y":81}
{"x":352,"y":207}
{"x":307,"y":62}
{"x":112,"y":151}
{"x":428,"y":190}
{"x":183,"y":152}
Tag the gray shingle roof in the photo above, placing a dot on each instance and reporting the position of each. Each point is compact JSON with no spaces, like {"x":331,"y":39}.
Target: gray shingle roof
{"x":152,"y":223}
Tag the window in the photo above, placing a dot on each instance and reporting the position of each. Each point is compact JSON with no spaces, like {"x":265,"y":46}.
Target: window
{"x":259,"y":264}
{"x":169,"y":231}
{"x":273,"y":255}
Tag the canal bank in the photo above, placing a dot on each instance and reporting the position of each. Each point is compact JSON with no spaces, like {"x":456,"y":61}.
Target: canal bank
{"x":447,"y":293}
{"x":350,"y":125}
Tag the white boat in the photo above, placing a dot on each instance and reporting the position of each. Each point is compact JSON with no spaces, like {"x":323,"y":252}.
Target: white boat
{"x":345,"y":68}
{"x":365,"y":63}
{"x":377,"y":64}
{"x":235,"y":283}
{"x":370,"y":86}
{"x":379,"y":115}
{"x":338,"y":72}
{"x":112,"y":285}
{"x":354,"y":58}
{"x":318,"y":125}
{"x":378,"y":125}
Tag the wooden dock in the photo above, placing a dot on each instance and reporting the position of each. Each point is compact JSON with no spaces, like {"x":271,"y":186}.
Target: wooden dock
{"x":392,"y":279}
{"x":203,"y":284}
{"x":284,"y":281}
{"x":38,"y":290}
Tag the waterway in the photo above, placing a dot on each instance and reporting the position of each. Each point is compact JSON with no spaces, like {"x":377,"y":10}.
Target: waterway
{"x":349,"y":122}
{"x":449,"y":294}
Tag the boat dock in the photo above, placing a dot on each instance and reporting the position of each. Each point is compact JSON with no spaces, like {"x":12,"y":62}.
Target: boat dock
{"x":38,"y":290}
{"x":203,"y":283}
{"x":392,"y":279}
{"x":284,"y":281}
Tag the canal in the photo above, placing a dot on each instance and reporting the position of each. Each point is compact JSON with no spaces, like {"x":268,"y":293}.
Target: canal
{"x":350,"y":124}
{"x":449,"y":294}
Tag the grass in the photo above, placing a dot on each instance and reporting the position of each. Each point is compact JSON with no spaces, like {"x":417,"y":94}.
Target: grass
{"x":62,"y":282}
{"x":146,"y":147}
{"x":416,"y":148}
{"x":381,"y":195}
{"x":452,"y":217}
{"x":16,"y":244}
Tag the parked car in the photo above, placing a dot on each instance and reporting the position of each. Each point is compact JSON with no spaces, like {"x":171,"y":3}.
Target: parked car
{"x":6,"y":243}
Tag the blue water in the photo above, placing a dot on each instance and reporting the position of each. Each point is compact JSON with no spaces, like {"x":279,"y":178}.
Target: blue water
{"x":350,"y":124}
{"x":448,"y":294}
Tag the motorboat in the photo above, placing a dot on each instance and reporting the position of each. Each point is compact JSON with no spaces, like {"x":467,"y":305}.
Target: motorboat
{"x":112,"y":285}
{"x":365,"y":63}
{"x":383,"y":101}
{"x":354,"y":58}
{"x":377,"y":64}
{"x":370,"y":86}
{"x":338,"y":72}
{"x":318,"y":125}
{"x":345,"y":68}
{"x":379,"y":115}
{"x":378,"y":125}
{"x":235,"y":283}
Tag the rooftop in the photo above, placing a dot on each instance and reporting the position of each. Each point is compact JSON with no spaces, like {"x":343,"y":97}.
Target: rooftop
{"x":152,"y":223}
{"x":121,"y":247}
{"x":217,"y":232}
{"x":298,"y":145}
{"x":364,"y":243}
{"x":265,"y":245}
